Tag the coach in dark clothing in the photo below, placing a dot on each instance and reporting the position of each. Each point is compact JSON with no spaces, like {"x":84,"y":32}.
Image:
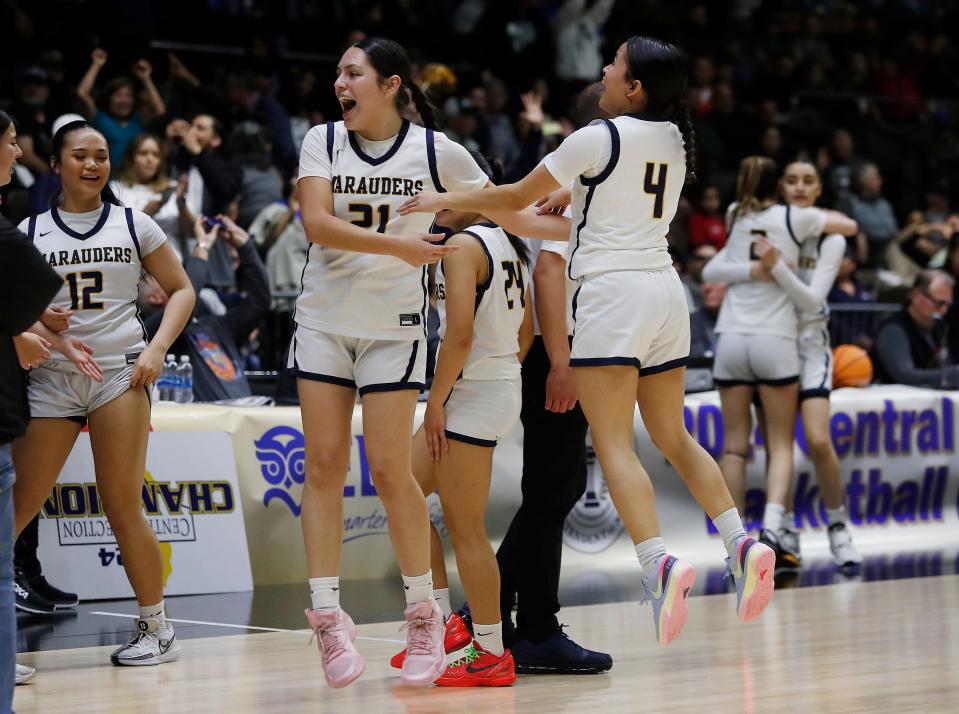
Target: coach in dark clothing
{"x":212,"y":341}
{"x":910,"y":346}
{"x":27,"y":285}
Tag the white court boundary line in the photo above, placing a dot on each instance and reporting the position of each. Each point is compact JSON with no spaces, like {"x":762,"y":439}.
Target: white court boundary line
{"x":240,"y":627}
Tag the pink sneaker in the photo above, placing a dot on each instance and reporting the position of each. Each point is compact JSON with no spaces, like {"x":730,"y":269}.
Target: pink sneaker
{"x":425,"y":653}
{"x":334,"y":631}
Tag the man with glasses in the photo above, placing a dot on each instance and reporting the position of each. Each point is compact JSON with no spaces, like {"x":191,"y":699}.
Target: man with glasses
{"x":912,"y":346}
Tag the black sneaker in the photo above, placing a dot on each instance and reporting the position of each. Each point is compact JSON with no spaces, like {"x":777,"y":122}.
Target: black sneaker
{"x":784,"y":559}
{"x":60,"y":599}
{"x":28,"y":600}
{"x":557,"y":654}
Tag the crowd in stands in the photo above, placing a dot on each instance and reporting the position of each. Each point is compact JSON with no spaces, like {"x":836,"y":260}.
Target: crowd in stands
{"x":205,"y":104}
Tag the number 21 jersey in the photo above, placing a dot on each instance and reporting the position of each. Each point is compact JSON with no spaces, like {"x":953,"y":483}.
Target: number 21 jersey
{"x":362,"y":294}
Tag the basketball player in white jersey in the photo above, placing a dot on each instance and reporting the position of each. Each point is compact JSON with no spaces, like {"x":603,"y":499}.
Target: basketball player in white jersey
{"x":758,"y":327}
{"x":486,"y":326}
{"x":631,"y":339}
{"x":360,"y":324}
{"x":100,"y":248}
{"x":819,"y":262}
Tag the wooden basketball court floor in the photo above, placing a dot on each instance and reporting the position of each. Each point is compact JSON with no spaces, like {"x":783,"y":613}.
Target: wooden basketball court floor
{"x":887,"y":646}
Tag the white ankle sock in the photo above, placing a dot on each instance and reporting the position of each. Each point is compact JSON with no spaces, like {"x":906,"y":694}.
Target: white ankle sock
{"x":418,"y":587}
{"x":789,"y":521}
{"x":730,"y":527}
{"x":773,"y":516}
{"x":490,"y":637}
{"x":157,"y":611}
{"x":836,"y":515}
{"x":442,"y":597}
{"x":649,"y":552}
{"x":325,"y":593}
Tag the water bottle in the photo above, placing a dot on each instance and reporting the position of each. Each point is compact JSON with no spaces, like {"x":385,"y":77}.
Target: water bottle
{"x":184,"y":383}
{"x":167,"y":382}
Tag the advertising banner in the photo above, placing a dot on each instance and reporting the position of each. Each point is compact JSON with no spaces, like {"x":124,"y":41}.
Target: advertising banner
{"x":190,"y":497}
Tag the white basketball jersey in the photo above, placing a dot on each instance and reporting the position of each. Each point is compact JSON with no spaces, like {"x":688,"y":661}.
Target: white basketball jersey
{"x":361,"y":294}
{"x":756,"y":307}
{"x":98,"y":255}
{"x":622,"y":207}
{"x":500,"y":307}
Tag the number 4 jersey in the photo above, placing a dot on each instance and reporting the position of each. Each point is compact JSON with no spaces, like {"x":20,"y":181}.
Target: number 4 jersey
{"x":627,"y":174}
{"x":500,"y":306}
{"x":99,"y":255}
{"x":362,"y":294}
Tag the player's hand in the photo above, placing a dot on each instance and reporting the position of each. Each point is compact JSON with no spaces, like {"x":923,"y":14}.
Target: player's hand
{"x":768,"y":253}
{"x":146,"y":370}
{"x":423,"y":202}
{"x":555,"y":202}
{"x":560,"y":392}
{"x":81,"y":355}
{"x":420,"y":249}
{"x":32,"y":350}
{"x":143,"y":69}
{"x":758,"y":271}
{"x":99,"y":57}
{"x":56,"y":319}
{"x":434,"y":426}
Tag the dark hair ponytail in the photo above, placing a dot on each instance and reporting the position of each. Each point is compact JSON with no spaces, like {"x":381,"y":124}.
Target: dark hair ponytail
{"x":59,"y":139}
{"x":389,"y":58}
{"x":663,"y":71}
{"x":5,"y":121}
{"x":494,"y":172}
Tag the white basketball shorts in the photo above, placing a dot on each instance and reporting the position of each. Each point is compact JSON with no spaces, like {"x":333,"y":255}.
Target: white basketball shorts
{"x":772,"y":360}
{"x":367,"y":365}
{"x":57,"y":390}
{"x":482,"y":411}
{"x":631,"y":317}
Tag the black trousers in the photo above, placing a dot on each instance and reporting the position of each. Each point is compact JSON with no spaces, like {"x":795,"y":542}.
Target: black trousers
{"x":554,"y":478}
{"x":25,"y":549}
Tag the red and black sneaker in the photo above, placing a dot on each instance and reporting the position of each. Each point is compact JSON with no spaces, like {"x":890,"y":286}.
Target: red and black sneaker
{"x":479,"y":668}
{"x":456,"y":638}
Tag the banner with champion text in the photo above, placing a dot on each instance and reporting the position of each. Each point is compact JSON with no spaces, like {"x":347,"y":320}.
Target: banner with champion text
{"x":896,"y":447}
{"x":190,"y":496}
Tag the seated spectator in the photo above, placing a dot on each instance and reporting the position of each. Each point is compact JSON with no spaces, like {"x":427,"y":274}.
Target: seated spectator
{"x":115,"y":115}
{"x":873,"y":213}
{"x":910,"y":346}
{"x":707,"y":225}
{"x":262,"y":184}
{"x":212,"y":341}
{"x":951,"y":266}
{"x":850,"y":327}
{"x":248,"y":103}
{"x":145,"y":184}
{"x":840,"y":162}
{"x":692,"y":277}
{"x":702,"y":343}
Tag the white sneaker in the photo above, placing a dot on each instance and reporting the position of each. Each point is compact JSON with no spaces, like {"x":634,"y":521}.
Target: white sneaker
{"x":25,"y":674}
{"x":154,"y":642}
{"x":844,"y":553}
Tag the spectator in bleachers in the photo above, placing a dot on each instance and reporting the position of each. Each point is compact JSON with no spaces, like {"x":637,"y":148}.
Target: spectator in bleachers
{"x":212,"y":181}
{"x":214,"y":342}
{"x":840,"y":163}
{"x":873,"y":213}
{"x":250,"y":148}
{"x":850,"y":328}
{"x":249,"y":103}
{"x":692,"y":276}
{"x":951,"y":266}
{"x":702,"y":335}
{"x":910,"y":346}
{"x":501,"y":141}
{"x":579,"y":42}
{"x":707,"y":225}
{"x":115,"y":114}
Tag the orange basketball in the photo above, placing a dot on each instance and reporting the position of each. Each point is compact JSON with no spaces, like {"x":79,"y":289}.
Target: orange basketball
{"x":851,"y":367}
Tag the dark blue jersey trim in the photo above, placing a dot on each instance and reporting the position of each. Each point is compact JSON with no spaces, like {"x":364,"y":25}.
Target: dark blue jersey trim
{"x":814,"y":394}
{"x":490,"y":443}
{"x":31,"y":227}
{"x":575,"y":299}
{"x":133,"y":231}
{"x":734,"y":382}
{"x":613,"y":157}
{"x":789,"y":225}
{"x":582,"y":224}
{"x":431,"y":160}
{"x":315,"y":377}
{"x":104,"y":214}
{"x":330,"y":129}
{"x":391,"y":387}
{"x":481,"y":289}
{"x":385,"y":157}
{"x":781,"y":382}
{"x":664,"y":367}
